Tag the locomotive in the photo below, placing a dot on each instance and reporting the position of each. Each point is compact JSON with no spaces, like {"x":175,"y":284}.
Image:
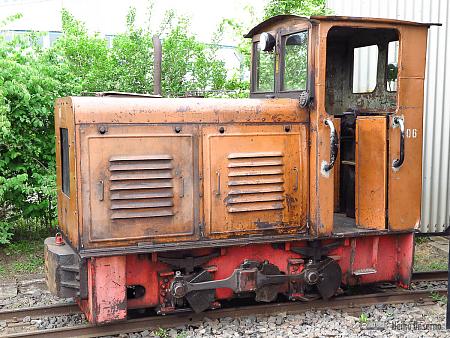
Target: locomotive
{"x":311,"y":185}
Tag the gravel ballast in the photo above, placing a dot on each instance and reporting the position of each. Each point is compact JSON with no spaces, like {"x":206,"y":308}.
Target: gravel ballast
{"x":404,"y":320}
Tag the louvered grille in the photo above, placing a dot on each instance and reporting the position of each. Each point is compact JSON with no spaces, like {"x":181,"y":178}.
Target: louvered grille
{"x":255,"y":181}
{"x":141,"y":186}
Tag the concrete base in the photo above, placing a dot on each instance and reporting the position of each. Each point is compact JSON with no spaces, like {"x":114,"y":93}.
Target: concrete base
{"x":440,"y":243}
{"x":8,"y":289}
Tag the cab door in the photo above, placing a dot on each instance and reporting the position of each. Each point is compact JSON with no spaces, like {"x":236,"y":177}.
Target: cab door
{"x":371,"y":172}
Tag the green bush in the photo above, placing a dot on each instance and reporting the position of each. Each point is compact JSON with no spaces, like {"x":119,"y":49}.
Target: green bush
{"x":32,"y":78}
{"x":28,"y":87}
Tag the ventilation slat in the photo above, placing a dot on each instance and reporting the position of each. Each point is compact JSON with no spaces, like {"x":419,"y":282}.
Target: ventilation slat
{"x":140,"y":166}
{"x":130,"y":204}
{"x":255,"y":207}
{"x":256,"y":181}
{"x":133,"y":194}
{"x":146,"y":213}
{"x":263,"y":163}
{"x":140,"y":175}
{"x":141,"y":158}
{"x":255,"y":155}
{"x":256,"y":190}
{"x":255,"y":172}
{"x":126,"y":185}
{"x":254,"y":198}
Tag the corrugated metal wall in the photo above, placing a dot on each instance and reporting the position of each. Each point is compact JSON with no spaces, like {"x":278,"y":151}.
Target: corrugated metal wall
{"x":436,"y":169}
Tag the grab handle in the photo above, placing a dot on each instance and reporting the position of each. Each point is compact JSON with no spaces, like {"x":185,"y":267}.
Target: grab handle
{"x":334,"y":142}
{"x":398,"y":122}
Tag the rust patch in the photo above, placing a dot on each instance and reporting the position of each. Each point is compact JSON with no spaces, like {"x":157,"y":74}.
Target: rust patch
{"x":268,"y":225}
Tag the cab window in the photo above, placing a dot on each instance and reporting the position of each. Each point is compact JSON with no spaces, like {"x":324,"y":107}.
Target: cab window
{"x":265,"y":70}
{"x":295,"y":61}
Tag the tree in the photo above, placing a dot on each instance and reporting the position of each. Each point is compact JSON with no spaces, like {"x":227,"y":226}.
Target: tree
{"x":32,"y":78}
{"x":297,"y":7}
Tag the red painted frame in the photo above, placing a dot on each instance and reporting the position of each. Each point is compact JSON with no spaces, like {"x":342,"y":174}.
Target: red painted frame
{"x":391,"y":255}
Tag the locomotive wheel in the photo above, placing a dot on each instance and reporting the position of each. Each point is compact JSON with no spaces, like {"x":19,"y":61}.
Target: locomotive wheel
{"x":331,"y":276}
{"x":200,"y":300}
{"x":268,"y":293}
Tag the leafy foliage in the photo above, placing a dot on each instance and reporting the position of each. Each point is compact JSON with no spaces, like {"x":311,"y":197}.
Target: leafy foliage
{"x":297,"y":7}
{"x":28,"y":86}
{"x":32,"y":78}
{"x":187,"y":64}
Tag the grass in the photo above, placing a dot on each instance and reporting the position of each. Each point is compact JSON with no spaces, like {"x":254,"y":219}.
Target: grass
{"x":22,"y":257}
{"x":427,"y":257}
{"x":438,"y":298}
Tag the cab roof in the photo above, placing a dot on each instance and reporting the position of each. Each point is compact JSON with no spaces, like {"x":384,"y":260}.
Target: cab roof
{"x":316,"y":19}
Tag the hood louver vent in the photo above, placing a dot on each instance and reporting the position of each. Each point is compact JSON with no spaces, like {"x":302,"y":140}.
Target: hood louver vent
{"x":141,"y":186}
{"x":255,"y":181}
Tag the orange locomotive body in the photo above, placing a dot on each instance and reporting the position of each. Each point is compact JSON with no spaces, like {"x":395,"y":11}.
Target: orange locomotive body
{"x":311,"y":185}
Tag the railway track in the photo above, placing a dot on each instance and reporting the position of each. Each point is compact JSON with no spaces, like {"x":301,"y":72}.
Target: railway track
{"x":351,"y":303}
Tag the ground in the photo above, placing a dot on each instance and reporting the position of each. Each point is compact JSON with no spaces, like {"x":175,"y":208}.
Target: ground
{"x":21,"y":258}
{"x":428,"y":257}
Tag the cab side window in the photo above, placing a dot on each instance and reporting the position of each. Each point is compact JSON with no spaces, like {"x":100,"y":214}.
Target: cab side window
{"x":392,"y":66}
{"x":65,"y":169}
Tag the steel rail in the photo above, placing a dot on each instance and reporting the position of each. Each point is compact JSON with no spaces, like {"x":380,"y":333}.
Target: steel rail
{"x":430,"y":276}
{"x":154,"y":322}
{"x":38,"y":311}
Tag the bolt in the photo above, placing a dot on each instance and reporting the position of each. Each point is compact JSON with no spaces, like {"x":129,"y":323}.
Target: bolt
{"x":177,"y":129}
{"x":165,"y":280}
{"x":102,"y":129}
{"x":221,"y":130}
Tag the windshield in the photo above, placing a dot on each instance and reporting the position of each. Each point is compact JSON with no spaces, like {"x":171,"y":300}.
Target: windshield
{"x":265,"y":70}
{"x":296,"y":61}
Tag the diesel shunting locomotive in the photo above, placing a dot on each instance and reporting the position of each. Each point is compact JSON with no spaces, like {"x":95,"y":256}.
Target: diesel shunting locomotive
{"x":311,"y":185}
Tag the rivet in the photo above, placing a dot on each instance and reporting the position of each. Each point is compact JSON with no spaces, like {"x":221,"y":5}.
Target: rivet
{"x":221,"y":130}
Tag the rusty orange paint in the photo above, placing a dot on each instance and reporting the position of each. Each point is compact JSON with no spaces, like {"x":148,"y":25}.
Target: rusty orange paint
{"x":255,"y":179}
{"x":178,"y":143}
{"x":370,"y":172}
{"x":228,"y":178}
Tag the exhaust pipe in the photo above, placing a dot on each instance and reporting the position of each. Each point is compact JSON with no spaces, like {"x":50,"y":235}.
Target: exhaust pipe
{"x":157,"y":63}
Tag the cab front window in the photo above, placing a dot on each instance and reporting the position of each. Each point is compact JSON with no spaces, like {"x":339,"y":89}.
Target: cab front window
{"x":295,"y":61}
{"x":265,"y":69}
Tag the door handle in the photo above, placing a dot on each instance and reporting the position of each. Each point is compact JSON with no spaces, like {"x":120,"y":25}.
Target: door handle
{"x":296,"y":179}
{"x":334,"y":143}
{"x":218,"y":183}
{"x":100,"y":190}
{"x":181,"y":187}
{"x":398,"y":122}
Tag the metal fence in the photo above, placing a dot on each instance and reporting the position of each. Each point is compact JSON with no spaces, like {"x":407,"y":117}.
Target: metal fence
{"x":436,"y":146}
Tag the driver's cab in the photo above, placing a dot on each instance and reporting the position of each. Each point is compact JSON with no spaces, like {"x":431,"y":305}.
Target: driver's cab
{"x":361,"y":80}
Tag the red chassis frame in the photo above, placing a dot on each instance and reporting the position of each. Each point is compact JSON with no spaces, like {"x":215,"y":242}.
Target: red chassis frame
{"x":384,"y":258}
